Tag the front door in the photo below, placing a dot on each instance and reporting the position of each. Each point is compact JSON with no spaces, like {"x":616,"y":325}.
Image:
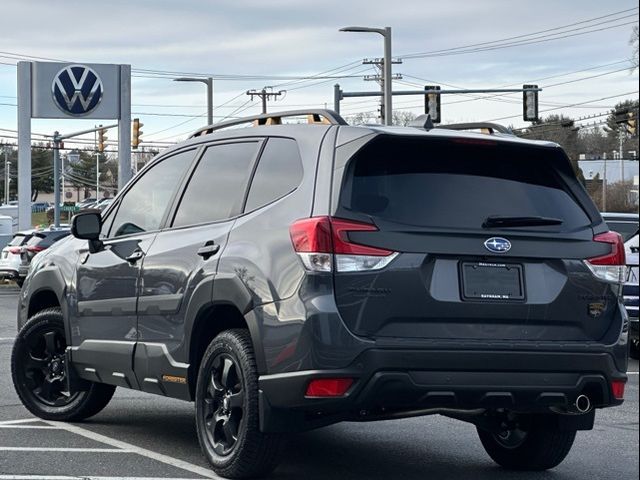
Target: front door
{"x":104,"y":321}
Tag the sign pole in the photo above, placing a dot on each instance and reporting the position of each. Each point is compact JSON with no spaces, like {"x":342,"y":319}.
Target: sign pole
{"x":24,"y":145}
{"x":124,"y":127}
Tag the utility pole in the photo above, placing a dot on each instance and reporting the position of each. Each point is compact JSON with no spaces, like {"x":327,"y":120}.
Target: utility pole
{"x":604,"y":185}
{"x":7,"y":176}
{"x":621,"y":138}
{"x":56,"y":178}
{"x":379,"y":78}
{"x":264,"y":95}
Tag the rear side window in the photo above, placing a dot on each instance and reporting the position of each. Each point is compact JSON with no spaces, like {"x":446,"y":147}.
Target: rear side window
{"x":444,"y":184}
{"x":279,"y":172}
{"x":217,"y":185}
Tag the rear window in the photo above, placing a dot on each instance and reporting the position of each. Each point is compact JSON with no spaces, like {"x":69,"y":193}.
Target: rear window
{"x":18,"y":240}
{"x":626,"y":229}
{"x":443,"y":184}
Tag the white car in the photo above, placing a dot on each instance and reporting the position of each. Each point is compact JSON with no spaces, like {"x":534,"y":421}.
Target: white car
{"x":10,"y":258}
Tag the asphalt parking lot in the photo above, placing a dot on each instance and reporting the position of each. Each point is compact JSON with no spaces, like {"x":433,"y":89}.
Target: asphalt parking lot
{"x":141,"y":436}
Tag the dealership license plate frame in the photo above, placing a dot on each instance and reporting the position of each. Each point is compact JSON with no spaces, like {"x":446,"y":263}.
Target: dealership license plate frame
{"x":492,"y":282}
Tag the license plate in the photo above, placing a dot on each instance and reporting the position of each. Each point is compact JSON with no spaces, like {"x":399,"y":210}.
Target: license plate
{"x":492,"y":281}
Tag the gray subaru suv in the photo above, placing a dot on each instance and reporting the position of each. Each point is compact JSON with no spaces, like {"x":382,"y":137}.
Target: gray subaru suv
{"x":291,"y":275}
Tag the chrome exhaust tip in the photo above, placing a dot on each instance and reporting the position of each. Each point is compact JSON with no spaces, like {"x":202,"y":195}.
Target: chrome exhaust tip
{"x":582,"y":404}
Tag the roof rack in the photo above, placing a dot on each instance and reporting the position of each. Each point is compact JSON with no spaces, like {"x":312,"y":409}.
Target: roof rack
{"x":314,"y":116}
{"x":484,"y":127}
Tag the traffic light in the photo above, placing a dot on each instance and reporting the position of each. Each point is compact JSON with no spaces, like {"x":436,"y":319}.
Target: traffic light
{"x":432,"y":103}
{"x":102,"y":138}
{"x":137,"y":133}
{"x":632,"y":123}
{"x":530,"y":103}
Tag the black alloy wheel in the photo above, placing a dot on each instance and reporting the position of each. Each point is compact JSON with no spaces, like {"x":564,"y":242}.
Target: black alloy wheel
{"x":43,"y":360}
{"x":223,"y":410}
{"x":39,"y":372}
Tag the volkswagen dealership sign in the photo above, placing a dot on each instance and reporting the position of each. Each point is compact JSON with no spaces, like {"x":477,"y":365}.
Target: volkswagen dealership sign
{"x":63,"y":90}
{"x":77,"y":89}
{"x":72,"y":90}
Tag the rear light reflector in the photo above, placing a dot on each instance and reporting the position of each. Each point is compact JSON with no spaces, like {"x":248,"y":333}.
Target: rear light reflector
{"x":328,"y":387}
{"x":611,"y":267}
{"x":322,"y":241}
{"x":15,"y":250}
{"x":617,"y":388}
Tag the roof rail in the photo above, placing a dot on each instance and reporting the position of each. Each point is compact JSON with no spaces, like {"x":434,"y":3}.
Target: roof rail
{"x":314,"y":116}
{"x":485,"y":127}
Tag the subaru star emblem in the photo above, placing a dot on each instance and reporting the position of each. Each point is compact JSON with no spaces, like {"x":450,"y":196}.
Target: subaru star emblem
{"x":498,"y":245}
{"x":77,"y":89}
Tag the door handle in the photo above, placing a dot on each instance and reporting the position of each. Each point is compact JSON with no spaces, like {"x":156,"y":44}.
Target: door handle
{"x":135,"y":256}
{"x":208,"y":249}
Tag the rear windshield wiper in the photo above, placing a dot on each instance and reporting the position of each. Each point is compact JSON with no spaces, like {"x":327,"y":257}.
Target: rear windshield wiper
{"x":496,"y":221}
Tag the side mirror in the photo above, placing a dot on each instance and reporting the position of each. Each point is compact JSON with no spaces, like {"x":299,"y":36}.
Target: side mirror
{"x":87,"y":226}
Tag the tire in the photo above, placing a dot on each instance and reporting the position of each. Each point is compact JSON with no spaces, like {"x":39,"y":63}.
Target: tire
{"x":540,"y":447}
{"x":37,"y":369}
{"x":227,"y":410}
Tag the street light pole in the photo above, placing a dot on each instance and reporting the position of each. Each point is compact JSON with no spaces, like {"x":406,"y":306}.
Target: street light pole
{"x":386,"y":71}
{"x":209,"y":83}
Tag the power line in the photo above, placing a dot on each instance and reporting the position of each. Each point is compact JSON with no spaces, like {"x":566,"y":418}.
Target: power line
{"x":562,"y":27}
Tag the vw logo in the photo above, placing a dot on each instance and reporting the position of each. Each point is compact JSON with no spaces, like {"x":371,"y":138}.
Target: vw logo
{"x":77,"y":90}
{"x":497,"y":245}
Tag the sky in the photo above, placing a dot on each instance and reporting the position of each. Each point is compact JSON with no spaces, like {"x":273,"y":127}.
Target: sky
{"x":271,"y":41}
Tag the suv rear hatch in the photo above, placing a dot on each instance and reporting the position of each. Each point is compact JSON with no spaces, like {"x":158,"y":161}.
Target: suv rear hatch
{"x":487,"y":240}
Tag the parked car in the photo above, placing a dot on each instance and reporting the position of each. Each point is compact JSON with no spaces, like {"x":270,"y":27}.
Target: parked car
{"x":627,"y":224}
{"x":631,"y":294}
{"x":40,"y":241}
{"x":86,"y":202}
{"x":10,"y":258}
{"x":287,"y":277}
{"x":40,"y":206}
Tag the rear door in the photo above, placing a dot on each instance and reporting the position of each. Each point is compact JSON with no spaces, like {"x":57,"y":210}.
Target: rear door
{"x":181,"y":263}
{"x":490,"y":234}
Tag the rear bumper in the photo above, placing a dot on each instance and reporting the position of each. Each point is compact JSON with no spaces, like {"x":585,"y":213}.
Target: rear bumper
{"x":8,"y":273}
{"x":396,"y":383}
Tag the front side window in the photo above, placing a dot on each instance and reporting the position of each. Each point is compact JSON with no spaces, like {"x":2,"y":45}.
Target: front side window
{"x":145,"y":203}
{"x":218,"y":184}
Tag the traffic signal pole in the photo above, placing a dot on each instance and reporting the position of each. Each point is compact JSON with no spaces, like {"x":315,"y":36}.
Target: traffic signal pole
{"x":57,"y":142}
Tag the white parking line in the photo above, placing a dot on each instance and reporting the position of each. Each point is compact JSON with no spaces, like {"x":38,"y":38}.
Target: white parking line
{"x":84,"y":477}
{"x":174,"y":462}
{"x":22,"y":420}
{"x":64,"y":449}
{"x":30,"y":427}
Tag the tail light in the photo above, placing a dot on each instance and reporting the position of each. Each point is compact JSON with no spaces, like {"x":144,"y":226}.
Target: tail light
{"x":610,"y":267}
{"x":328,"y":387}
{"x":35,"y":248}
{"x":617,"y":388}
{"x":321,"y":241}
{"x":15,"y":250}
